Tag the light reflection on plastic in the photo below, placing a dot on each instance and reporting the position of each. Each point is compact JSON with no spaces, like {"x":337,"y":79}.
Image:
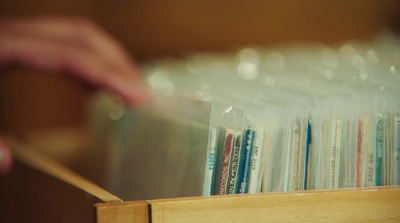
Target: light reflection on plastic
{"x":220,"y":67}
{"x":363,"y":74}
{"x":158,"y":79}
{"x":192,"y":69}
{"x":269,"y":81}
{"x":372,"y":57}
{"x":248,"y":62}
{"x":347,"y":52}
{"x":396,"y":55}
{"x":248,"y":70}
{"x":359,"y":62}
{"x":329,"y":58}
{"x":169,"y":88}
{"x":249,"y":55}
{"x":329,"y":74}
{"x":229,"y":109}
{"x":116,"y":112}
{"x":393,"y":69}
{"x":275,"y":61}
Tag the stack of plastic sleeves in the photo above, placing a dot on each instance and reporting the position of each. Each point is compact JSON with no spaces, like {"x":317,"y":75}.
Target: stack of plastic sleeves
{"x":291,"y":118}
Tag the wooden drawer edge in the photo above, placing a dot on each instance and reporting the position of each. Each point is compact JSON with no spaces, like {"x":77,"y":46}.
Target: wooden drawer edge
{"x":22,"y":153}
{"x":377,"y":204}
{"x":131,"y":211}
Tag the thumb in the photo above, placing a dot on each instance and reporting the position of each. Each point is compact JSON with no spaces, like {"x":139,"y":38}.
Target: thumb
{"x":5,"y":158}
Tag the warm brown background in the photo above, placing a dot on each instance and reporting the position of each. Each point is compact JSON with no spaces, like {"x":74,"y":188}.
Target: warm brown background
{"x":154,"y":28}
{"x":34,"y":101}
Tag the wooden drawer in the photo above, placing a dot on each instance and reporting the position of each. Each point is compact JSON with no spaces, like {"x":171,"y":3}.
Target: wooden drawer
{"x":40,"y":190}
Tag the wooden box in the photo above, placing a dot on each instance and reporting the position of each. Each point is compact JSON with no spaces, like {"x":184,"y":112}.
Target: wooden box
{"x":41,"y":190}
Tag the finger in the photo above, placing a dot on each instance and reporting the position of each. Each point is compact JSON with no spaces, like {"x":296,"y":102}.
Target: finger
{"x":5,"y":158}
{"x":81,"y":31}
{"x":89,"y":65}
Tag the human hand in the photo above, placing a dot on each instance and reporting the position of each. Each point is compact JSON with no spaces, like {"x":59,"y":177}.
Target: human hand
{"x":5,"y":158}
{"x":73,"y":44}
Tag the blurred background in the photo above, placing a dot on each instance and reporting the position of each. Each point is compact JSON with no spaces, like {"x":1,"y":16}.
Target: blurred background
{"x":53,"y":111}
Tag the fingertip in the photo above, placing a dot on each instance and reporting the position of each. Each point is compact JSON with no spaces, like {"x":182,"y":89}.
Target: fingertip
{"x":137,"y":95}
{"x":5,"y":158}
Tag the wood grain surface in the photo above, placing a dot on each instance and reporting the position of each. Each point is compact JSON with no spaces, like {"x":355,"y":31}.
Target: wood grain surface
{"x":356,"y":205}
{"x":126,"y":212}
